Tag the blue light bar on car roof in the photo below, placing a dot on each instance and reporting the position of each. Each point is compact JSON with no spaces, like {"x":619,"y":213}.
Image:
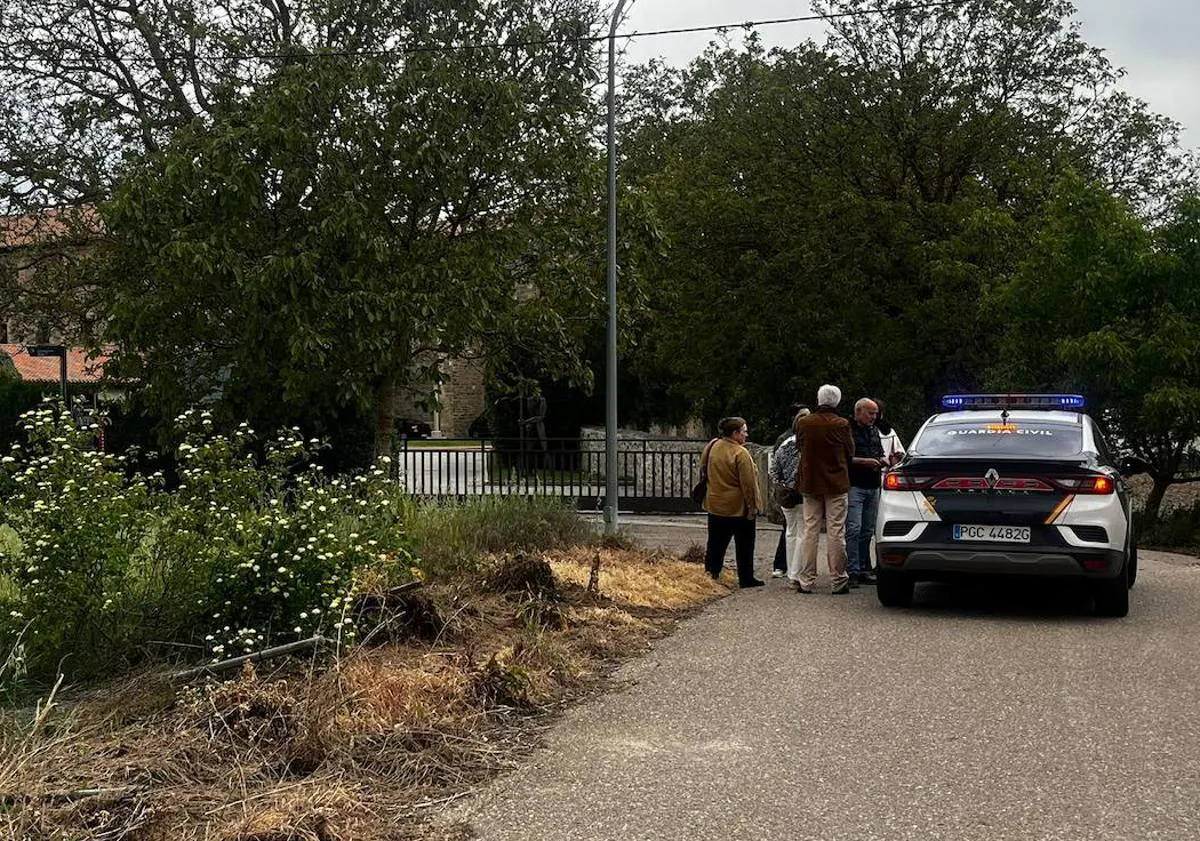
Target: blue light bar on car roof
{"x":964,"y":402}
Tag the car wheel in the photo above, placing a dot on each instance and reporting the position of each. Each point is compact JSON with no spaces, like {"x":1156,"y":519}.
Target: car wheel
{"x":894,"y":589}
{"x":1112,"y":594}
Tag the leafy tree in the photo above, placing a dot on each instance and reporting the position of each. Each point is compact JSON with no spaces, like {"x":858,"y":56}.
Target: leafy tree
{"x":1110,"y":306}
{"x":356,"y":219}
{"x":86,"y":85}
{"x":999,"y":93}
{"x":836,"y":212}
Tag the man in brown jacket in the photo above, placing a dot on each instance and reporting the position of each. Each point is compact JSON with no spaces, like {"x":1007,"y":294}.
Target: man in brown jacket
{"x":826,"y":449}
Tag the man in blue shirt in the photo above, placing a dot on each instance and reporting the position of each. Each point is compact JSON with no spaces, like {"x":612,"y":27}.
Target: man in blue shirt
{"x":862,"y":508}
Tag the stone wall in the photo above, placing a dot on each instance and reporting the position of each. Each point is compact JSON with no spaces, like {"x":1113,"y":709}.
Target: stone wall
{"x":462,"y":398}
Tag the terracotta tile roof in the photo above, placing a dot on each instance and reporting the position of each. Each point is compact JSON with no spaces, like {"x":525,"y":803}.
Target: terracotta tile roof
{"x":45,"y":369}
{"x":53,"y":223}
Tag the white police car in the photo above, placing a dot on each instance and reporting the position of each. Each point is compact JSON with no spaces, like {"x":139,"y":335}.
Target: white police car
{"x":1007,"y":484}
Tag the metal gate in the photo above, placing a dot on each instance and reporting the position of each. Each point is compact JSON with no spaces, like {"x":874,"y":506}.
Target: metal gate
{"x":653,"y":475}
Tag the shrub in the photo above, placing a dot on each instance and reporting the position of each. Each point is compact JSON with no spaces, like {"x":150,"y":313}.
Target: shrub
{"x":73,"y":520}
{"x":16,"y":398}
{"x":272,"y":547}
{"x":1178,"y":528}
{"x":252,"y":546}
{"x":247,"y":552}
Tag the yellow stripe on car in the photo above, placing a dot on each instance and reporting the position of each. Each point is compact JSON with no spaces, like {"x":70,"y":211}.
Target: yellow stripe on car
{"x":1058,"y":511}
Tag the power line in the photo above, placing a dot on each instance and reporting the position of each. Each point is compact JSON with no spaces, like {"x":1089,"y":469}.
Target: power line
{"x":537,"y":42}
{"x":592,"y":39}
{"x":581,"y":39}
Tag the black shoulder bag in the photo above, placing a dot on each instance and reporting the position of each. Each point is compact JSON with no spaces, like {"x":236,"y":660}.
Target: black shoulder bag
{"x":701,"y":489}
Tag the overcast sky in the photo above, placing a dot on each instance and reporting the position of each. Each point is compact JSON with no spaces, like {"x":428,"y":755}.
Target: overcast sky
{"x":1154,"y":40}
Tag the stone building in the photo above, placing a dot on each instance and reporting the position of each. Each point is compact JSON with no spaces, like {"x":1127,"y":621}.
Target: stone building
{"x":460,"y":400}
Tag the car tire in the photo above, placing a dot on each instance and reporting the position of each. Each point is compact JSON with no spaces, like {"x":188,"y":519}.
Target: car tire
{"x":1112,"y":594}
{"x":894,"y":589}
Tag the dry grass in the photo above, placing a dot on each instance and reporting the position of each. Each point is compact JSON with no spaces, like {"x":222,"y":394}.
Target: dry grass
{"x":640,"y":579}
{"x":360,"y":747}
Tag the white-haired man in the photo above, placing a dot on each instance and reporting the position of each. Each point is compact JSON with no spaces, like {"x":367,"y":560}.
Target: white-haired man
{"x":826,"y":449}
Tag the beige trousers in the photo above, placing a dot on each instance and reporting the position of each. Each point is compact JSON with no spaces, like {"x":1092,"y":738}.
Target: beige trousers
{"x":831,"y":509}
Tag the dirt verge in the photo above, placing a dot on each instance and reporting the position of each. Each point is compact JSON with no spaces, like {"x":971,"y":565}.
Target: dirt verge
{"x":359,"y":746}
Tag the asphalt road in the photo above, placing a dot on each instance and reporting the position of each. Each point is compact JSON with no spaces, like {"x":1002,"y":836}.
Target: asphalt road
{"x":981,"y":713}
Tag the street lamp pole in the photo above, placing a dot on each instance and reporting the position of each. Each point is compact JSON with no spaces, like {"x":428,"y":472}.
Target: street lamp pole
{"x":610,"y":424}
{"x":53,"y":350}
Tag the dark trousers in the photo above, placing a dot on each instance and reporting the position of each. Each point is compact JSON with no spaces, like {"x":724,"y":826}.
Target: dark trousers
{"x":720,"y":531}
{"x":781,"y":551}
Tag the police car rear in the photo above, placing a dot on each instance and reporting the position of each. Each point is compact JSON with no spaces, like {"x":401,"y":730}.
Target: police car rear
{"x":1007,"y":485}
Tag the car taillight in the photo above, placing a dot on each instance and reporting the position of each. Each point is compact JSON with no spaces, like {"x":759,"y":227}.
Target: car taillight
{"x":962,"y":484}
{"x":1022,"y":485}
{"x":980,"y":483}
{"x":895,"y":481}
{"x":1087,"y":484}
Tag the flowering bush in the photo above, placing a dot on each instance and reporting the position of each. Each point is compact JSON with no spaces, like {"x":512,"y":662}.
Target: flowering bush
{"x":254,"y":547}
{"x":73,"y":521}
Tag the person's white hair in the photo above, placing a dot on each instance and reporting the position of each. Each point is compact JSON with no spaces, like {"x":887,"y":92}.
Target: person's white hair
{"x":829,"y":395}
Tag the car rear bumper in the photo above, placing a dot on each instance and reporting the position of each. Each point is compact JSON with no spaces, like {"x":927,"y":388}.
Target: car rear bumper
{"x":938,"y":560}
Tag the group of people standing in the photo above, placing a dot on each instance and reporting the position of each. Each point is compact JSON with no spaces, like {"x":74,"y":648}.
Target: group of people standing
{"x":827,"y":469}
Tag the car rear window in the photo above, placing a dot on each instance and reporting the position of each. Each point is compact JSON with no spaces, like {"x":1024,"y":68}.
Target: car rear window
{"x":1036,"y":440}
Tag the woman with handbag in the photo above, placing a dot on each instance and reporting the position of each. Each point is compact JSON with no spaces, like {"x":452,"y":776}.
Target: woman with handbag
{"x":731,"y":499}
{"x":785,"y":467}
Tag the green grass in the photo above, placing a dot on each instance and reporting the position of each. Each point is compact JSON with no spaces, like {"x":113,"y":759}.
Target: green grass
{"x":10,"y":546}
{"x":450,"y":537}
{"x":435,"y":444}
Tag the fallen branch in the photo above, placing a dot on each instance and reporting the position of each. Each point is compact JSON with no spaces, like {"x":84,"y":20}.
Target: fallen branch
{"x":233,"y":663}
{"x":61,"y":797}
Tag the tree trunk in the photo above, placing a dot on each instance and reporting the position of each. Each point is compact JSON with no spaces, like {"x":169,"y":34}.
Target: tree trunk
{"x":385,"y":400}
{"x":1154,"y":500}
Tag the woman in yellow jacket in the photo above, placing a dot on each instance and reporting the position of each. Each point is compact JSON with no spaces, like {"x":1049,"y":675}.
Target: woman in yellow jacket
{"x":732,"y":501}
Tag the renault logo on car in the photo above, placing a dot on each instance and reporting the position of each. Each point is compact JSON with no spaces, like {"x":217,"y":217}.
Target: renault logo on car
{"x":992,"y":477}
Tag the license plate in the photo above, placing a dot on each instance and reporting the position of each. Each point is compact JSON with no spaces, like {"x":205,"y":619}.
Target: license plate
{"x":993,"y":534}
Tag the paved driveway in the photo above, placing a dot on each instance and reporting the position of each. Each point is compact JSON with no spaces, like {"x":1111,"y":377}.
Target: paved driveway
{"x":977,"y":714}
